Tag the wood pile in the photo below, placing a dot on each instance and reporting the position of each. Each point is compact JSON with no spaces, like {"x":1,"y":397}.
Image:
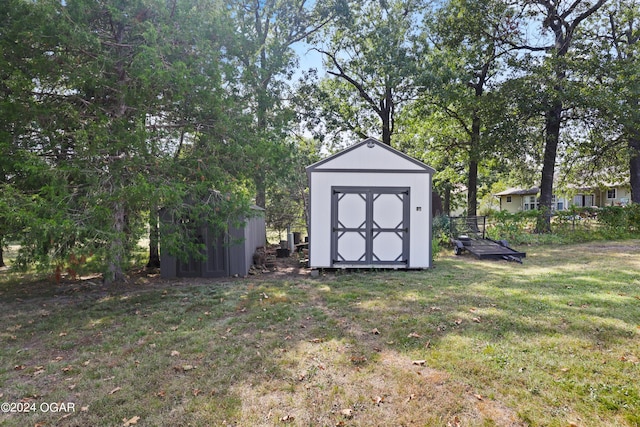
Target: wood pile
{"x":264,"y":260}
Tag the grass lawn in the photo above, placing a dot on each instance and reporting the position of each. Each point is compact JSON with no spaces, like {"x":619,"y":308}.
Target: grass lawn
{"x":552,"y":342}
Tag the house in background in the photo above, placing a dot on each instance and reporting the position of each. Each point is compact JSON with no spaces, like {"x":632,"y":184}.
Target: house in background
{"x":518,"y":199}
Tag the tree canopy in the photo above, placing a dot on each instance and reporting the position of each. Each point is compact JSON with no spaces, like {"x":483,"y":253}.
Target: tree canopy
{"x":112,"y":110}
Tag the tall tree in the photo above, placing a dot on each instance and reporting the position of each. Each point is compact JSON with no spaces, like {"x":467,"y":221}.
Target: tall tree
{"x":261,"y":48}
{"x":613,"y":77}
{"x":118,"y":114}
{"x":560,"y":20}
{"x":373,"y":61}
{"x":17,"y":41}
{"x":469,"y":53}
{"x":27,"y":40}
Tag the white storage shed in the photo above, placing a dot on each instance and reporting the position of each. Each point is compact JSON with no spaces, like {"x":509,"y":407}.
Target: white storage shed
{"x":370,"y":207}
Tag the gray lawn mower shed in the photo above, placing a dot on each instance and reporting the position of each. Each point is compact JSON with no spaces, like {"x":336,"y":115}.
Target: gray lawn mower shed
{"x":226,"y":252}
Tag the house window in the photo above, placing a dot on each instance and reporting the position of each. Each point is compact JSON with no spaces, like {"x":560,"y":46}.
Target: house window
{"x":583,"y":200}
{"x":531,"y":203}
{"x":611,"y":193}
{"x":508,"y":199}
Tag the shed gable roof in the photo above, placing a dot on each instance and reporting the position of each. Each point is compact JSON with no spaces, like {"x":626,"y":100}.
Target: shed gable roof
{"x":370,"y":155}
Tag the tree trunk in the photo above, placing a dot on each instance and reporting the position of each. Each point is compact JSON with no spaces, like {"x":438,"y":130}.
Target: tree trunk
{"x":261,"y":189}
{"x":386,"y":133}
{"x":634,"y":168}
{"x":386,"y":111}
{"x":472,"y":178}
{"x":117,"y":251}
{"x":472,"y":188}
{"x":436,"y":204}
{"x":446,"y":203}
{"x":154,"y":237}
{"x":2,"y":264}
{"x":552,"y":137}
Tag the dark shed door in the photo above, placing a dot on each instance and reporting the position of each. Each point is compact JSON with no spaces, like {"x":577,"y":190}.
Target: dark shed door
{"x":214,"y":260}
{"x":191,"y":267}
{"x":370,"y":226}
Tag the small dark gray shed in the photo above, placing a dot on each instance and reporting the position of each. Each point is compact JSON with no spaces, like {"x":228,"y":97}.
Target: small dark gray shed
{"x":227,"y":252}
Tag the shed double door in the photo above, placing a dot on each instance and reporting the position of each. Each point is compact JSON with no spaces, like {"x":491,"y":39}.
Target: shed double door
{"x":370,"y":226}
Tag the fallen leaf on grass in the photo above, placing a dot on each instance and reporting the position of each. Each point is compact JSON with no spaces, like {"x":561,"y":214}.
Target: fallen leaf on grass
{"x":458,"y":321}
{"x":375,"y":331}
{"x":414,"y":335}
{"x":348,"y":413}
{"x":84,"y":409}
{"x":316,"y":340}
{"x":419,"y":362}
{"x":287,"y":418}
{"x":455,"y":422}
{"x":130,"y":422}
{"x":358,"y":360}
{"x":19,"y":367}
{"x":476,"y":319}
{"x":115,"y":390}
{"x":378,"y":400}
{"x":184,"y":368}
{"x":411,"y":397}
{"x":478,"y":396}
{"x":175,"y":353}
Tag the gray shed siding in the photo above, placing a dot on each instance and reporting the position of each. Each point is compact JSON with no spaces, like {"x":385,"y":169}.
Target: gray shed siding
{"x":227,"y":255}
{"x":253,"y":235}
